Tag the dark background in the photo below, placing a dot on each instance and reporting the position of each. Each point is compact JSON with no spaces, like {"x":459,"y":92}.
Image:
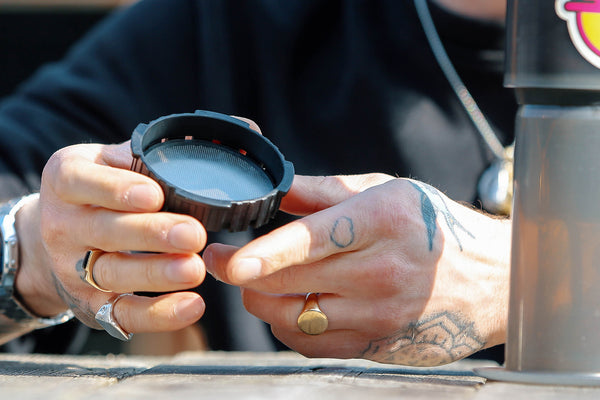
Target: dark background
{"x":31,"y":37}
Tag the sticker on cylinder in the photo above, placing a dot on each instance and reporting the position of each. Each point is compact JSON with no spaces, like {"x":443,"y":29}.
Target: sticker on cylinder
{"x":583,"y":20}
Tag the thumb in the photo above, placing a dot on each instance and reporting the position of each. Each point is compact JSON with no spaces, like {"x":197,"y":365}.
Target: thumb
{"x":310,"y":194}
{"x":117,"y":155}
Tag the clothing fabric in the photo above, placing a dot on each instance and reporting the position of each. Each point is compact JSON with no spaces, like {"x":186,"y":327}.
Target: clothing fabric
{"x":341,"y":87}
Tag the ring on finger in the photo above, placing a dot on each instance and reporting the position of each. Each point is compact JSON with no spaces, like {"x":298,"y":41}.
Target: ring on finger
{"x":106,"y":318}
{"x":312,"y":320}
{"x":91,"y":256}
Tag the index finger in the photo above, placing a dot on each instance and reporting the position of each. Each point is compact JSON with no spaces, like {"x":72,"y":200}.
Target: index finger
{"x":94,"y":174}
{"x":337,"y":229}
{"x":337,"y":221}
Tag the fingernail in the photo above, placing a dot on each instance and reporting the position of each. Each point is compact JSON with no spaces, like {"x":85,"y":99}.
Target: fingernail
{"x":184,"y":236}
{"x":143,"y":197}
{"x":247,"y":269}
{"x":183,"y":270}
{"x":207,"y":257}
{"x":189,"y":309}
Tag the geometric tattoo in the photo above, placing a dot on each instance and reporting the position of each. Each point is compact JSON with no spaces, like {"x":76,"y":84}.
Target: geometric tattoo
{"x":436,"y":340}
{"x":433,"y":203}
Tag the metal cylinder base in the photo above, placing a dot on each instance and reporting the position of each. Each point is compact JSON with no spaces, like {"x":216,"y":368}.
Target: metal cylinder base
{"x":539,"y":378}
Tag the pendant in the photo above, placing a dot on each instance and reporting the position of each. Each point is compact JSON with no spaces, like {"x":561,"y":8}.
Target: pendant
{"x":495,"y":186}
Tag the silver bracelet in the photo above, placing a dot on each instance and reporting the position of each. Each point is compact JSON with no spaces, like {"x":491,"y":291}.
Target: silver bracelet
{"x":15,"y":317}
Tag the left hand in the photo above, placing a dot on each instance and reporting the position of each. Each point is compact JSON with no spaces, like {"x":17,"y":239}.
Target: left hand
{"x":405,"y":275}
{"x":89,"y":199}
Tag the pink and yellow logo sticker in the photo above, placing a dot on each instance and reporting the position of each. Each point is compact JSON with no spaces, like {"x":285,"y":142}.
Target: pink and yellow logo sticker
{"x":583,"y":20}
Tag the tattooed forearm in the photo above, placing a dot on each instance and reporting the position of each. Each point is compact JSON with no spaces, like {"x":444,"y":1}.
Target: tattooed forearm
{"x":433,"y":203}
{"x":342,"y":232}
{"x":436,"y":340}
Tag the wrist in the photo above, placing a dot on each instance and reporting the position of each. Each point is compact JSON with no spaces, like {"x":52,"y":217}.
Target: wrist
{"x":34,"y":284}
{"x":15,"y":317}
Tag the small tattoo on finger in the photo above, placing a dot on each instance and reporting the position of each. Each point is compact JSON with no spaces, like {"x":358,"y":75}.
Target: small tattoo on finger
{"x":342,"y":232}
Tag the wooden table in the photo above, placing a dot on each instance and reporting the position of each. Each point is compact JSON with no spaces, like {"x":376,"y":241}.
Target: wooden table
{"x":220,"y":375}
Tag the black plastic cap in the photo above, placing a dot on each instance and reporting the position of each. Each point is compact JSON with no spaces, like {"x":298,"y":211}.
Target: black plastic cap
{"x":205,"y":128}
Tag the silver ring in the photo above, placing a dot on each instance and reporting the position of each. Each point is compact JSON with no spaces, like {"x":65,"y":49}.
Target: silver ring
{"x":106,"y":318}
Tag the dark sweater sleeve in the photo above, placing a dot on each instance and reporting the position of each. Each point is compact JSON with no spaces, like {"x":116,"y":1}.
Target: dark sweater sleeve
{"x":138,"y":64}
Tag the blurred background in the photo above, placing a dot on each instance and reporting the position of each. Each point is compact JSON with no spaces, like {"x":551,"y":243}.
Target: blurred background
{"x":36,"y":31}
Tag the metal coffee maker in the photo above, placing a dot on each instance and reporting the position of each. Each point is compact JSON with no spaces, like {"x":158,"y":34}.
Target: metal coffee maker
{"x":553,"y":63}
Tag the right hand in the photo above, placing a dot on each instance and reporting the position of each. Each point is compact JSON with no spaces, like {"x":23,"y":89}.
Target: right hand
{"x":89,"y":199}
{"x":404,"y":274}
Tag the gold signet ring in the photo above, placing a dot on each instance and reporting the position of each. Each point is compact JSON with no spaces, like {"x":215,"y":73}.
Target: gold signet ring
{"x":312,"y":320}
{"x":88,"y":266}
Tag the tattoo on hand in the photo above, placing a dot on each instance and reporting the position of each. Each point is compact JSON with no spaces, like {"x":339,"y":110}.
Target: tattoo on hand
{"x":84,"y":314}
{"x":439,"y":339}
{"x":342,"y":233}
{"x":433,"y":203}
{"x":80,"y":270}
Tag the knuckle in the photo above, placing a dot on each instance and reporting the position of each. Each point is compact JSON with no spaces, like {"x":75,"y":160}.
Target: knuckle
{"x":369,"y":180}
{"x":330,"y":190}
{"x":391,"y":216}
{"x":270,"y":265}
{"x":155,"y":233}
{"x":153,"y":228}
{"x":91,"y":227}
{"x":51,"y":231}
{"x":58,"y":171}
{"x":54,"y":229}
{"x":390,"y":275}
{"x":152,"y":274}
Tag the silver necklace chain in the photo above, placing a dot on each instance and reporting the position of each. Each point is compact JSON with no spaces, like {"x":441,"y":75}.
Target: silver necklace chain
{"x":494,"y":186}
{"x":468,"y":102}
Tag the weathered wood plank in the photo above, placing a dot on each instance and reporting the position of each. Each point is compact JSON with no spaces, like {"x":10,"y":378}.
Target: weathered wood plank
{"x":227,"y":376}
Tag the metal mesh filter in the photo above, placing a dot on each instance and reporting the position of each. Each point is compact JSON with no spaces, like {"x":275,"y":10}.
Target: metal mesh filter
{"x":213,"y":167}
{"x":209,"y":170}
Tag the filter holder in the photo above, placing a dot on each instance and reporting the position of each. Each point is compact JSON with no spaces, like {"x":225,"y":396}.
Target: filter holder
{"x":213,"y":167}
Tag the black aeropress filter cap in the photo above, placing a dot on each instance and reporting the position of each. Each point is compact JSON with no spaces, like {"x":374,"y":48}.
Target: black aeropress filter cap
{"x":213,"y":167}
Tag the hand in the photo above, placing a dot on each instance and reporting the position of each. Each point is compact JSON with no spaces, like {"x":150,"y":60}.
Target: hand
{"x":89,"y":199}
{"x":405,"y":275}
